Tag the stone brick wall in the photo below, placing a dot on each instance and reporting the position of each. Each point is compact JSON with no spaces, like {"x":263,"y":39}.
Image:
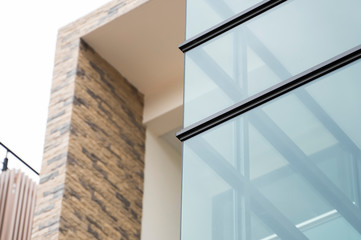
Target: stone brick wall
{"x":92,"y":173}
{"x":104,"y":178}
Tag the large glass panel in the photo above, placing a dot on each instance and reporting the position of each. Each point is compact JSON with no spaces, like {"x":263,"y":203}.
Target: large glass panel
{"x":289,"y":169}
{"x":203,"y":14}
{"x":266,"y":50}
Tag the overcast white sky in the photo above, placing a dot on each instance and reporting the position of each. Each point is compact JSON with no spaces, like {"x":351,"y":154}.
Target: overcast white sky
{"x":28,"y":31}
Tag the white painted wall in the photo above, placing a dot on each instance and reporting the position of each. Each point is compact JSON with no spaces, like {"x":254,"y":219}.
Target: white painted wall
{"x":162,"y":190}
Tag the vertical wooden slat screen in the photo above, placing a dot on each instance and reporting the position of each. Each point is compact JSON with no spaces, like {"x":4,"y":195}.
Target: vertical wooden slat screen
{"x":17,"y":200}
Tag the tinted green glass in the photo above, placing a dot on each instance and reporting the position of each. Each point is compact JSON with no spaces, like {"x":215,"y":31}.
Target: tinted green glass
{"x":203,"y":14}
{"x":289,"y":169}
{"x":266,"y":50}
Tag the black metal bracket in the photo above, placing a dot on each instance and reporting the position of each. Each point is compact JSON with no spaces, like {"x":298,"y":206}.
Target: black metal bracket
{"x":5,"y":163}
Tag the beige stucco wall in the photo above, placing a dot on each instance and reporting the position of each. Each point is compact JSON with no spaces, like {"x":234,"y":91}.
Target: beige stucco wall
{"x":162,"y":195}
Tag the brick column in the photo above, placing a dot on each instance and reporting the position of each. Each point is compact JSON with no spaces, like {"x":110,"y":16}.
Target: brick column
{"x":91,"y":182}
{"x":99,"y":193}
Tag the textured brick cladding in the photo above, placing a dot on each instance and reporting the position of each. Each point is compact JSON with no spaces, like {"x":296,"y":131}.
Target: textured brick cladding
{"x":81,"y":120}
{"x":104,"y":178}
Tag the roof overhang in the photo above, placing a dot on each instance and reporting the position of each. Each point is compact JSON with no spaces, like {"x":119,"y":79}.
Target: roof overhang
{"x":142,"y":45}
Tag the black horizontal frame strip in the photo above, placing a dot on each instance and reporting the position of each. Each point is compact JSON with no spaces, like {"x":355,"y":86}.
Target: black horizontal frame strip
{"x":270,"y":93}
{"x":229,"y":24}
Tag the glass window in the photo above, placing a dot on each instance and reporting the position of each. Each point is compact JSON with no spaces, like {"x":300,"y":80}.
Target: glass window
{"x":203,"y":14}
{"x":266,"y":50}
{"x":288,"y":169}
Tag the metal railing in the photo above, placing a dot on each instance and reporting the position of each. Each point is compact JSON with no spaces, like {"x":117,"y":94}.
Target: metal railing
{"x":6,"y":160}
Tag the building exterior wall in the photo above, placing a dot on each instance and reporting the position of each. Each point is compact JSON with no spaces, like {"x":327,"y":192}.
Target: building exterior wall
{"x":73,"y":141}
{"x":161,"y":213}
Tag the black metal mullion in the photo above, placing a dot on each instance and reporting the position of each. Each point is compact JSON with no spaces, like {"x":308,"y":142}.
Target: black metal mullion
{"x":229,"y":24}
{"x":271,"y":93}
{"x":303,"y":95}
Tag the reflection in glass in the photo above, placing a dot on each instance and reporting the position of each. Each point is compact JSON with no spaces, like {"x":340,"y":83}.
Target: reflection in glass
{"x":203,"y":14}
{"x":289,"y":169}
{"x":265,"y":51}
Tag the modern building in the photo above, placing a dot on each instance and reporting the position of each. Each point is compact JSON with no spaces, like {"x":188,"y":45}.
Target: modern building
{"x":271,"y":143}
{"x":109,"y":169}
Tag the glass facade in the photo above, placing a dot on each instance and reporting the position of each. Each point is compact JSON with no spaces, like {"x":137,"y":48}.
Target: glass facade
{"x":203,"y":14}
{"x":288,"y":168}
{"x":266,"y":50}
